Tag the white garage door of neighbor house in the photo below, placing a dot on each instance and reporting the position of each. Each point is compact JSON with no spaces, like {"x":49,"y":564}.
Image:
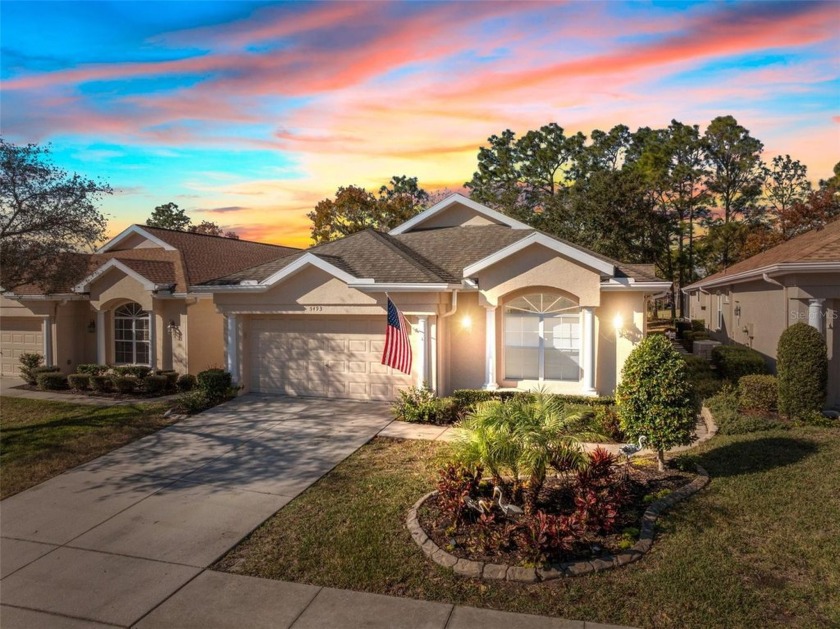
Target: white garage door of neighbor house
{"x":322,"y":356}
{"x":19,"y":336}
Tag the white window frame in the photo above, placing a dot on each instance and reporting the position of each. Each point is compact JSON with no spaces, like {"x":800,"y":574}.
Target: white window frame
{"x":142,"y":315}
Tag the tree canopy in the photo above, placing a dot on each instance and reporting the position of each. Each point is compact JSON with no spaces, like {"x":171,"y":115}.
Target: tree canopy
{"x":354,"y":209}
{"x":170,"y":216}
{"x":47,"y":216}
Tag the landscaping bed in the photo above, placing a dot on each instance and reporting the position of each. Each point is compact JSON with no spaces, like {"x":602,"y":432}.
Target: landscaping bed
{"x":505,"y":540}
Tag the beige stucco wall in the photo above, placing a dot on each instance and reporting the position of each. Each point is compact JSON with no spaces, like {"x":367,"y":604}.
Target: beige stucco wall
{"x":462,"y":346}
{"x":115,"y":287}
{"x":205,"y":336}
{"x":456,"y":215}
{"x":538,"y":266}
{"x":616,"y":343}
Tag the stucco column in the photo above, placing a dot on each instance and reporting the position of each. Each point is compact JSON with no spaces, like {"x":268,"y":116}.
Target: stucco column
{"x":490,"y":382}
{"x":815,"y":314}
{"x":232,"y":346}
{"x":433,"y":366}
{"x":588,"y":350}
{"x":48,"y":344}
{"x":422,"y":377}
{"x":152,"y":339}
{"x":100,"y":337}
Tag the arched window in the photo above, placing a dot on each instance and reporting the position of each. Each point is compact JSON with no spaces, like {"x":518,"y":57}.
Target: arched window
{"x":131,"y":335}
{"x":542,"y":338}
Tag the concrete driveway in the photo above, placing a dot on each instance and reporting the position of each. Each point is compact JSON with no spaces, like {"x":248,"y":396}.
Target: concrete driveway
{"x":110,"y":540}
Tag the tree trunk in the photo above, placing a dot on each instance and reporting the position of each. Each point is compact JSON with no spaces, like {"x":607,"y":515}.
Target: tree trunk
{"x":660,"y":460}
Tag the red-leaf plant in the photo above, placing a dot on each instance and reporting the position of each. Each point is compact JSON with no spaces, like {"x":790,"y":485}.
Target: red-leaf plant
{"x":599,"y":493}
{"x":456,"y":484}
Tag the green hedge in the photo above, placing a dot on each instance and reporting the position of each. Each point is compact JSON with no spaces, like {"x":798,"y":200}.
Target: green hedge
{"x":125,"y":384}
{"x":101,"y":384}
{"x":758,"y":393}
{"x":731,"y":420}
{"x":155,"y":384}
{"x":216,"y":384}
{"x":802,"y":364}
{"x":137,"y":371}
{"x":51,"y":381}
{"x":466,"y":399}
{"x":185,"y":382}
{"x":421,"y":405}
{"x":92,"y":369}
{"x":79,"y":381}
{"x":733,"y":362}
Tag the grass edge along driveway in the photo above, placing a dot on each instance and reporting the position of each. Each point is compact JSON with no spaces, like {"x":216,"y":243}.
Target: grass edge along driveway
{"x":40,"y":439}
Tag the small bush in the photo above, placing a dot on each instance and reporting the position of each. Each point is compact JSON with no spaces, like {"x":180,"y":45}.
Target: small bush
{"x":136,"y":371}
{"x":698,"y":325}
{"x":655,"y":397}
{"x":195,"y":401}
{"x":79,"y":381}
{"x":733,"y":362}
{"x":125,"y":384}
{"x":29,"y":362}
{"x":38,"y":371}
{"x":216,"y":384}
{"x":101,"y":384}
{"x":466,"y":399}
{"x":51,"y":381}
{"x":154,"y":384}
{"x":92,"y":369}
{"x":609,"y":423}
{"x":185,"y":382}
{"x":758,"y":393}
{"x":420,"y":404}
{"x":732,"y":421}
{"x":802,"y":364}
{"x":171,"y":377}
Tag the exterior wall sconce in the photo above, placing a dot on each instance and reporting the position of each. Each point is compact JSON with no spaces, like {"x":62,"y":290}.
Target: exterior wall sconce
{"x":618,"y":322}
{"x":172,"y":328}
{"x":91,"y":327}
{"x":466,"y":322}
{"x":737,"y":311}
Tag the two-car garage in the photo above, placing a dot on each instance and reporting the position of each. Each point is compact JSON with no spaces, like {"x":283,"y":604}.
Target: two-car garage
{"x":317,"y":355}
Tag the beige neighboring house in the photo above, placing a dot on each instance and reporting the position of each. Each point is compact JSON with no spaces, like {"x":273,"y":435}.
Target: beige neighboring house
{"x":135,"y":307}
{"x":492,"y":303}
{"x":753,"y":302}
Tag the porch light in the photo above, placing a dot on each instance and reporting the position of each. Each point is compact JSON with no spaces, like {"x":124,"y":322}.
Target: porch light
{"x":618,"y":322}
{"x":172,"y":327}
{"x":91,"y":327}
{"x":466,"y":322}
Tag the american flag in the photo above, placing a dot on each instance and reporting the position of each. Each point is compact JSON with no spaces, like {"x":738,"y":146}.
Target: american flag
{"x":397,"y":352}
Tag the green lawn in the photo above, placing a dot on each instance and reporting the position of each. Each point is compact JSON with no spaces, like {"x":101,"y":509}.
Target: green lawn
{"x":759,"y":547}
{"x":39,"y":439}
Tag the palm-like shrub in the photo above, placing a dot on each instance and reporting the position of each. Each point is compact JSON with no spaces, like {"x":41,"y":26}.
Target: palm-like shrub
{"x":655,"y":397}
{"x":521,"y":439}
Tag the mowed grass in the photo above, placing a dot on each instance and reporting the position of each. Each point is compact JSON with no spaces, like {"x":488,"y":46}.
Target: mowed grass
{"x":40,"y":439}
{"x":759,"y":547}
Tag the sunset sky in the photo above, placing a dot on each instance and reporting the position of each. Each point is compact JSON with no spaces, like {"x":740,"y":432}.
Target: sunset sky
{"x":247,"y":114}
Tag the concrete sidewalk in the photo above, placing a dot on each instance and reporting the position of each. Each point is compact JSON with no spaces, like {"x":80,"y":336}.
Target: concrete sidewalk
{"x":125,"y":540}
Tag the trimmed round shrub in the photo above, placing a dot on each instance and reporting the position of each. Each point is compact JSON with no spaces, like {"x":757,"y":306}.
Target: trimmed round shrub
{"x":51,"y":381}
{"x":155,"y":384}
{"x":92,"y":369}
{"x":758,"y":393}
{"x":191,"y":402}
{"x":698,"y":325}
{"x":29,"y":362}
{"x":125,"y":384}
{"x":137,"y":371}
{"x":101,"y":384}
{"x":655,"y":398}
{"x":216,"y":383}
{"x":185,"y":382}
{"x":171,"y":377}
{"x":79,"y":381}
{"x":733,"y":362}
{"x":802,"y":366}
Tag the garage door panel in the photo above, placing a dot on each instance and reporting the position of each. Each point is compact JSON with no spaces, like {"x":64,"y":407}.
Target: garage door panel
{"x":17,"y":337}
{"x":319,"y":356}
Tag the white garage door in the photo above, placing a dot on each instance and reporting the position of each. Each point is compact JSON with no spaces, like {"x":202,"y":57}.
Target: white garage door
{"x":322,"y":356}
{"x":18,"y":336}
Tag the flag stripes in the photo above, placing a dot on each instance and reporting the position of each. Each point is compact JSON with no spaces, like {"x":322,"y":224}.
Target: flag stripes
{"x":397,"y":352}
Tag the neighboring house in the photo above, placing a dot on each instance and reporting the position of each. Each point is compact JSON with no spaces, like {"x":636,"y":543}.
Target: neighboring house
{"x":752,"y":302}
{"x":492,"y":303}
{"x":135,"y":306}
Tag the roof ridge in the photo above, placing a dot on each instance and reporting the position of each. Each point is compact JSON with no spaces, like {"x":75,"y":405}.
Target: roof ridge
{"x":412,"y":256}
{"x":189,"y":233}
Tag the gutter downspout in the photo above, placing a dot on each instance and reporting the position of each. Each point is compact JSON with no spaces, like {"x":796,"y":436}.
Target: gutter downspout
{"x":452,"y":309}
{"x":766,"y":277}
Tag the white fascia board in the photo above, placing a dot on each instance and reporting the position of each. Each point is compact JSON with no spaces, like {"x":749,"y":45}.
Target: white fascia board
{"x":134,"y":229}
{"x":51,"y":297}
{"x":459,"y":199}
{"x":84,"y":285}
{"x":228,"y":288}
{"x":774,"y":269}
{"x":605,"y":268}
{"x":408,"y":287}
{"x":635,"y":286}
{"x":310,"y":259}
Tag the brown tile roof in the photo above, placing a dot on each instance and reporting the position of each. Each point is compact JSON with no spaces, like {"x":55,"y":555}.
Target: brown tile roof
{"x":817,"y":245}
{"x":425,"y":256}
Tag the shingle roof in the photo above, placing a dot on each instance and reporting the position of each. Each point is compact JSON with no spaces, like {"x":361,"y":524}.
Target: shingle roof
{"x":817,"y":245}
{"x":423,"y":256}
{"x":155,"y":271}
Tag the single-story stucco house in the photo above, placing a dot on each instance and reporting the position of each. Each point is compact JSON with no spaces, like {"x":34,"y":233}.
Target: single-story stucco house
{"x":492,"y":303}
{"x":752,"y":302}
{"x":135,"y":306}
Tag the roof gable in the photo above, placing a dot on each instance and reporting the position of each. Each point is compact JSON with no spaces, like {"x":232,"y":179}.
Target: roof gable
{"x":134,"y":237}
{"x":150,"y":275}
{"x":462,"y":212}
